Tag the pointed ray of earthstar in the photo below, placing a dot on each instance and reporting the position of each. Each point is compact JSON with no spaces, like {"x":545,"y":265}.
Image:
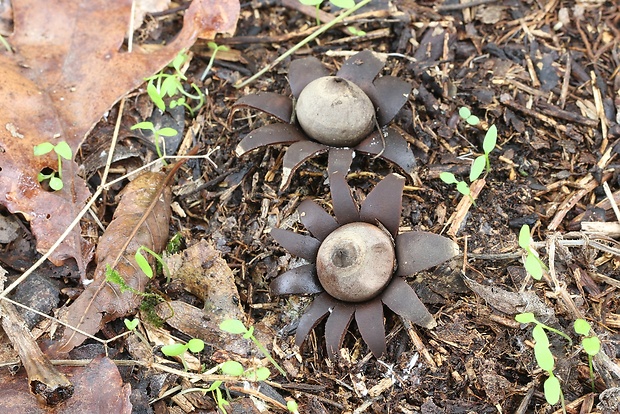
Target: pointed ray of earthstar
{"x":336,"y":327}
{"x":301,"y":280}
{"x":269,"y":135}
{"x":316,"y":220}
{"x":361,"y":69}
{"x":295,"y":155}
{"x":384,"y":203}
{"x":420,"y":250}
{"x":314,"y":314}
{"x":303,"y":71}
{"x":369,"y":318}
{"x":339,"y":160}
{"x":389,"y":95}
{"x":390,"y":146}
{"x":402,"y":300}
{"x":299,"y":245}
{"x":274,"y":104}
{"x":345,"y":207}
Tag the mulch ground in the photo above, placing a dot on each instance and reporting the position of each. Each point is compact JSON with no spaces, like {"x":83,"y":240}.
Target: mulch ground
{"x":547,"y":75}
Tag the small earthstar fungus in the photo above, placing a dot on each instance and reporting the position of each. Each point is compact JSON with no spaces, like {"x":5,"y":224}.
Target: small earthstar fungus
{"x":357,"y":263}
{"x":336,"y":114}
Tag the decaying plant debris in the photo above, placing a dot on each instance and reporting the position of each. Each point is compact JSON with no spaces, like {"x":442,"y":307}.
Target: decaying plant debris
{"x":545,"y":73}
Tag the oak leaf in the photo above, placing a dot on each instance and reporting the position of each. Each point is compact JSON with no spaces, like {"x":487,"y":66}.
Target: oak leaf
{"x":68,"y":68}
{"x":102,"y":301}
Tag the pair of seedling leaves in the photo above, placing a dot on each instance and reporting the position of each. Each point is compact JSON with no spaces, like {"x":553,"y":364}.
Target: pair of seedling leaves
{"x":480,"y":163}
{"x":53,"y":89}
{"x":544,"y":357}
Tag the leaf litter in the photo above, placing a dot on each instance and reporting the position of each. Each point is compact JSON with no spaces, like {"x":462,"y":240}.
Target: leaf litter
{"x":140,"y":220}
{"x":67,"y":66}
{"x":60,"y":79}
{"x":477,"y":346}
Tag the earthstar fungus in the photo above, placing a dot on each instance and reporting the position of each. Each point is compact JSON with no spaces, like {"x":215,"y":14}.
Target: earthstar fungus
{"x":357,"y":263}
{"x":335,"y":114}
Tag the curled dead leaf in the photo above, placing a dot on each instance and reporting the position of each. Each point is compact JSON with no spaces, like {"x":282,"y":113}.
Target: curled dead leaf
{"x":102,"y":301}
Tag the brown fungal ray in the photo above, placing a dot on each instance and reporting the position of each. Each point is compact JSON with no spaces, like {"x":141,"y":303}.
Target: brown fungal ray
{"x":316,"y":312}
{"x":345,"y":208}
{"x":269,"y":135}
{"x":391,"y":147}
{"x":402,"y":300}
{"x":274,"y":104}
{"x":299,"y":245}
{"x":300,"y":280}
{"x":318,"y":222}
{"x":369,"y":318}
{"x":336,"y":327}
{"x":361,"y":68}
{"x":420,"y":250}
{"x":384,"y":203}
{"x":303,"y":71}
{"x":389,"y":95}
{"x":296,"y":155}
{"x":339,"y":160}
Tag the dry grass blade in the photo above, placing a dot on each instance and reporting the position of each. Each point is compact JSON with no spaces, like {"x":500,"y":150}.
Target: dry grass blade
{"x":141,"y":219}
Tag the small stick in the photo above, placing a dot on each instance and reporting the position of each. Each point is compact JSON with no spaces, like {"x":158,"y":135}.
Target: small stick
{"x":43,"y":378}
{"x":464,"y":205}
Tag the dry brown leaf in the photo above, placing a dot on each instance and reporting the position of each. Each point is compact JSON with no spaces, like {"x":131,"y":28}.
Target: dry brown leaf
{"x":102,"y":301}
{"x":68,"y":69}
{"x":98,"y":389}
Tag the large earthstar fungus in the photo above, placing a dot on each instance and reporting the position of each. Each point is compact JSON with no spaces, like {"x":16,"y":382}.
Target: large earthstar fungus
{"x":358,"y":261}
{"x":340,"y":114}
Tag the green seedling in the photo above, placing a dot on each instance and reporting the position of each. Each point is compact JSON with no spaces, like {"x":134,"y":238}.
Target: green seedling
{"x":62,"y":150}
{"x":157,"y":134}
{"x":591,"y":344}
{"x":544,"y":357}
{"x":235,"y":369}
{"x":171,"y":84}
{"x":236,"y":327}
{"x":461,"y":186}
{"x":292,"y":406}
{"x":488,"y":144}
{"x":131,"y":325}
{"x":216,"y":392}
{"x":480,"y":164}
{"x":214,"y":49}
{"x":145,"y":266}
{"x":528,"y":317}
{"x":343,"y":4}
{"x":355,"y":31}
{"x":483,"y":162}
{"x":465,"y":113}
{"x":533,"y":264}
{"x":194,"y":345}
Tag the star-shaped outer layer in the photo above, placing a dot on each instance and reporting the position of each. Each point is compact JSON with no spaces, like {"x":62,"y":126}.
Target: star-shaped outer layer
{"x":415,"y":251}
{"x":387,"y":93}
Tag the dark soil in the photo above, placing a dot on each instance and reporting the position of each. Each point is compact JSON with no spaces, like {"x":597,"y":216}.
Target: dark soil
{"x":533,"y":69}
